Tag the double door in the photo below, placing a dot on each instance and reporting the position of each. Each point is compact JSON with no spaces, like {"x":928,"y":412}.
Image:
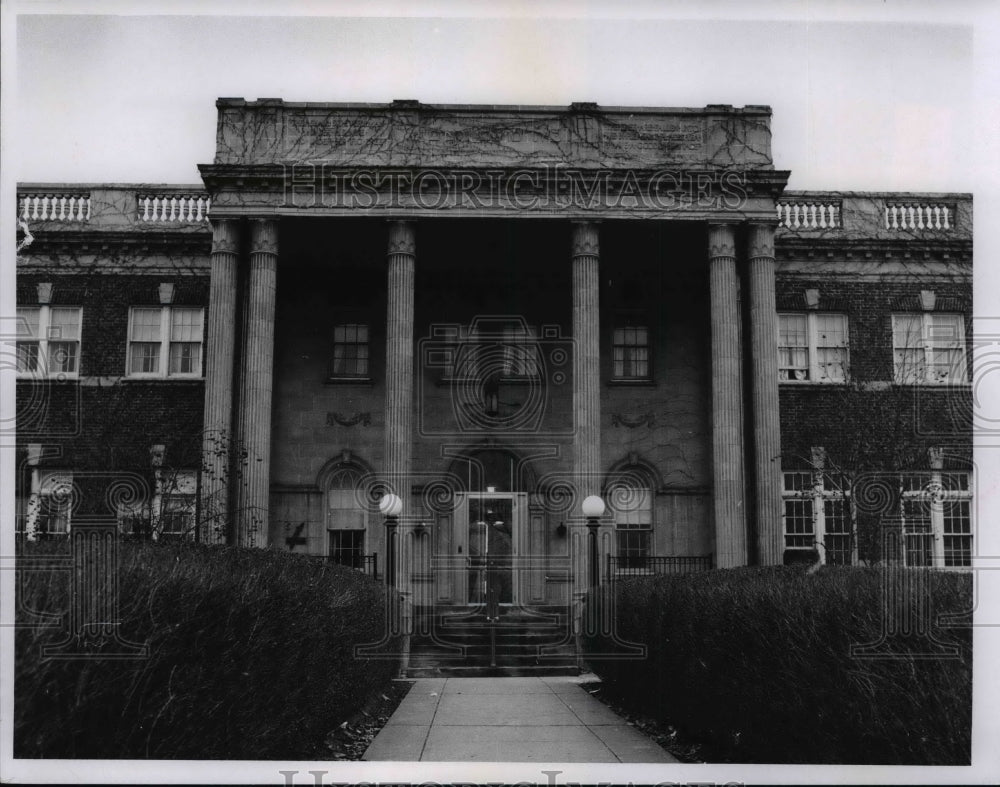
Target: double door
{"x":489,"y":533}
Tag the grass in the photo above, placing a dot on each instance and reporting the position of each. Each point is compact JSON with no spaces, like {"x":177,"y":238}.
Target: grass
{"x":757,"y":662}
{"x":251,"y":656}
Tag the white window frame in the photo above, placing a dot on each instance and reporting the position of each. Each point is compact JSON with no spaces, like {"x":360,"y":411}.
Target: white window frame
{"x":812,"y":348}
{"x":176,"y":493}
{"x":623,"y":514}
{"x":163,"y":372}
{"x":44,"y":338}
{"x":48,"y":482}
{"x":928,"y":345}
{"x":942,"y":487}
{"x":818,"y":489}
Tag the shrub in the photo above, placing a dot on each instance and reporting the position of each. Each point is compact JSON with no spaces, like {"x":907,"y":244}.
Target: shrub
{"x":757,"y":663}
{"x":251,"y":656}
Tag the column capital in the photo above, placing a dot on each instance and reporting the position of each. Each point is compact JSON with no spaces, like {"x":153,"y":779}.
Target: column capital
{"x":721,"y":239}
{"x":225,"y":236}
{"x":263,"y":236}
{"x":586,"y":240}
{"x":402,"y":237}
{"x":760,"y":241}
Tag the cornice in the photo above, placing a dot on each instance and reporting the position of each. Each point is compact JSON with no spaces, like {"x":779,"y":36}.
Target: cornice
{"x":858,"y":248}
{"x":89,"y":240}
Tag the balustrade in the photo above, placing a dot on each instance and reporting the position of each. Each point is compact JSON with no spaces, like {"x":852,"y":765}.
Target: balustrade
{"x":173,"y":208}
{"x":53,"y":207}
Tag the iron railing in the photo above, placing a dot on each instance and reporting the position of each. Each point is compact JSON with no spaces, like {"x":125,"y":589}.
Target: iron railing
{"x":367,"y":564}
{"x":645,"y":565}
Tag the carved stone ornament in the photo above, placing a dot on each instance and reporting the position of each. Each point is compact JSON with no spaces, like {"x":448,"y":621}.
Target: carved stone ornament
{"x":263,"y":236}
{"x":631,"y":423}
{"x":225,"y":236}
{"x":402,"y":239}
{"x":166,"y":293}
{"x":586,"y":239}
{"x":761,"y":241}
{"x":721,"y":240}
{"x":45,"y":292}
{"x":333,"y":419}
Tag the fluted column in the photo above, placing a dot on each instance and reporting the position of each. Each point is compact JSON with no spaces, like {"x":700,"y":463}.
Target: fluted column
{"x":585,"y":250}
{"x":401,"y":263}
{"x":727,"y":400}
{"x":220,"y":345}
{"x":399,"y":358}
{"x":255,"y":385}
{"x":586,"y":358}
{"x":766,"y":424}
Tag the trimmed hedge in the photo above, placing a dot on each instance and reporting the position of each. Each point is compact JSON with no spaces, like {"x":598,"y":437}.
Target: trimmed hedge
{"x":756,"y":662}
{"x":251,"y":656}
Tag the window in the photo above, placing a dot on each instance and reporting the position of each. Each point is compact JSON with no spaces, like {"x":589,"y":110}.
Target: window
{"x":632,"y":506}
{"x":630,"y":353}
{"x":350,"y":351}
{"x":346,"y":517}
{"x":347,"y":547}
{"x":519,"y":352}
{"x":174,"y":505}
{"x":935,"y":509}
{"x":812,"y":346}
{"x":133,"y":520}
{"x":48,"y":341}
{"x":817,"y":516}
{"x":344,"y":503}
{"x":55,"y":505}
{"x":928,"y":348}
{"x":165,"y":341}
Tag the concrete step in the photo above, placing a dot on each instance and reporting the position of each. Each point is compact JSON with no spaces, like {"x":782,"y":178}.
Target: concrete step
{"x":459,"y":639}
{"x":490,"y":672}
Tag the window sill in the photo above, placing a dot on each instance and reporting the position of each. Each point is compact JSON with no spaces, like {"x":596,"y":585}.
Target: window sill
{"x":48,"y":378}
{"x":822,"y":383}
{"x":621,"y":382}
{"x":934,"y":386}
{"x":349,"y":381}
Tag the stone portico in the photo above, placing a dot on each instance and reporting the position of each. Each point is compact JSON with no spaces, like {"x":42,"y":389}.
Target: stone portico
{"x":383,"y":206}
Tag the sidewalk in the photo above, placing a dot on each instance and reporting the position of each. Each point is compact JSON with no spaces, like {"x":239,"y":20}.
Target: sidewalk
{"x":547,"y":719}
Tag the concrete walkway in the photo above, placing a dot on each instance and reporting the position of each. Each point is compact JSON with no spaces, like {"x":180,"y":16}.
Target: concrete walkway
{"x":549,"y":719}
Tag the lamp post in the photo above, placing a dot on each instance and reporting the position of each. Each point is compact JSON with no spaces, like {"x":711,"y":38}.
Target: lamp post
{"x":593,"y":509}
{"x":391,"y":507}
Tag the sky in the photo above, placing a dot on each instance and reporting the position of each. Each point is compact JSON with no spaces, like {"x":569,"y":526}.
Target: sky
{"x":876,"y":103}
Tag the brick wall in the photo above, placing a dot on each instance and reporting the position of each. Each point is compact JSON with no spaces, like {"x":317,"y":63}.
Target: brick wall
{"x":103,"y":423}
{"x":873,"y":421}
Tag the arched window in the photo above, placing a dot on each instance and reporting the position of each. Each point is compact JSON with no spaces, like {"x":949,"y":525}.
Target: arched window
{"x":630,"y":498}
{"x":346,"y":517}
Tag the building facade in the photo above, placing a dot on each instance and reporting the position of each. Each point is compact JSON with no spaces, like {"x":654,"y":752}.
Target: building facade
{"x":493,"y":313}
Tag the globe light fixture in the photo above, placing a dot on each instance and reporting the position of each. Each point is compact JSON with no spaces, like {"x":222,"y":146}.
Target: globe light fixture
{"x":593,"y":507}
{"x":390,"y":505}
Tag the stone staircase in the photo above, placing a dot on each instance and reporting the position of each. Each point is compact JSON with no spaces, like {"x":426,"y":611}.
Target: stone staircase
{"x":462,"y":642}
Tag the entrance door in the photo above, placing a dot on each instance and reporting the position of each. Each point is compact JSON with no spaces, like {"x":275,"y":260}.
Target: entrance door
{"x":491,"y":538}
